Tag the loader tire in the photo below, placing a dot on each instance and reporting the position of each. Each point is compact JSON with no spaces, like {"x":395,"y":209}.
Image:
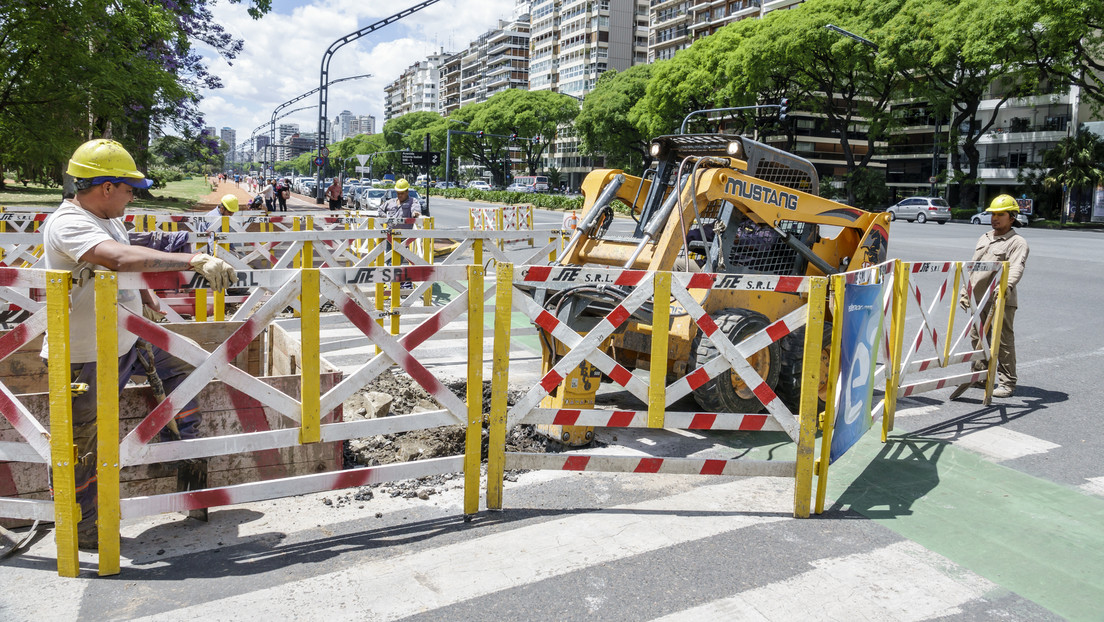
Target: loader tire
{"x":789,"y":379}
{"x":727,"y":392}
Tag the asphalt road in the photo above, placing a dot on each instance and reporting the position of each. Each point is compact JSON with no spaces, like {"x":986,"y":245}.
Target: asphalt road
{"x":970,"y":513}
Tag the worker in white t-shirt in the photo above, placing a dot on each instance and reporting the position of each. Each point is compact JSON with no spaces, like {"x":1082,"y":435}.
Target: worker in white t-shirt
{"x":86,"y":234}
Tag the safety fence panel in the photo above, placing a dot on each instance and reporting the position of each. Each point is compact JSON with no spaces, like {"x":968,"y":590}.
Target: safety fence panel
{"x":24,"y":439}
{"x":947,"y":324}
{"x":310,"y":416}
{"x":663,"y":290}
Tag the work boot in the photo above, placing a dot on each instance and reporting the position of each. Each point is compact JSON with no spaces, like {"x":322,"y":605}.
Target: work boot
{"x":1003,"y":391}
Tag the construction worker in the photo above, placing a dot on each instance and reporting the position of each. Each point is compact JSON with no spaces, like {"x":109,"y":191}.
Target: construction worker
{"x":402,"y":207}
{"x":88,"y":234}
{"x":1000,"y":244}
{"x":228,"y":206}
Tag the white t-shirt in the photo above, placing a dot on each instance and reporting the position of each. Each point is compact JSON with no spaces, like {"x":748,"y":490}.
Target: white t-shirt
{"x":67,"y":234}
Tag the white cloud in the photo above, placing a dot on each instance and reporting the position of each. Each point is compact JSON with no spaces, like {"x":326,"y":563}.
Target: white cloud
{"x":283,"y":55}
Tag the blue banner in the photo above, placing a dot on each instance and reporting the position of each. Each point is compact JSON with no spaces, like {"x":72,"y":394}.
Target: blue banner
{"x":862,"y":331}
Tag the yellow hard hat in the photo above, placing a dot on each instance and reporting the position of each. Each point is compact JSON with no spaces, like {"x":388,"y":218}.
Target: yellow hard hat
{"x":1004,"y":203}
{"x":402,"y":185}
{"x":230,"y":202}
{"x":103,"y":160}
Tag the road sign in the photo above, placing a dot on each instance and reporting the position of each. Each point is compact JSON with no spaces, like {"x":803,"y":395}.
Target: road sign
{"x":363,"y":169}
{"x":363,"y":158}
{"x":320,"y":161}
{"x":324,"y":151}
{"x":421,"y":158}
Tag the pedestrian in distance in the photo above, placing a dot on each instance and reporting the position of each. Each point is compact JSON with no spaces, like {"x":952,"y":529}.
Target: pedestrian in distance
{"x":333,"y":195}
{"x":88,"y":234}
{"x":269,"y":193}
{"x":1000,"y":244}
{"x":283,"y":193}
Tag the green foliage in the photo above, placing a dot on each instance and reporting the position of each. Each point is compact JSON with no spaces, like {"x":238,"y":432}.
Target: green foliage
{"x":539,"y":200}
{"x":604,"y":125}
{"x":868,"y":187}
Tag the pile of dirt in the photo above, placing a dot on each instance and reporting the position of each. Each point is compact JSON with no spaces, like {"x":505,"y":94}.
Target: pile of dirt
{"x":397,"y":394}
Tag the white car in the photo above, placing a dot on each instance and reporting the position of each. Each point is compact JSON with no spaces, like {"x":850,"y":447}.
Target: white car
{"x":479,"y":185}
{"x":982,"y":218}
{"x":519,"y":188}
{"x":370,"y":198}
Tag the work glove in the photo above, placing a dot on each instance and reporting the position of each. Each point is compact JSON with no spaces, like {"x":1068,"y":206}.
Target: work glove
{"x":151,"y":314}
{"x":217,"y":272}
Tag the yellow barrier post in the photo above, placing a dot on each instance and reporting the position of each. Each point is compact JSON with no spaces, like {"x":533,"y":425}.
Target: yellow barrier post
{"x":310,"y":392}
{"x":201,"y":305}
{"x":997,"y":325}
{"x":474,"y":437}
{"x":529,"y":222}
{"x":897,"y":336}
{"x":396,"y":283}
{"x":827,"y":424}
{"x":661,"y":316}
{"x":477,"y":250}
{"x":500,"y":225}
{"x":297,"y":263}
{"x":810,"y":383}
{"x":427,"y":254}
{"x":220,"y":295}
{"x":63,"y":452}
{"x":951,"y":318}
{"x":380,"y":260}
{"x":500,"y":384}
{"x":107,"y":420}
{"x":308,"y":246}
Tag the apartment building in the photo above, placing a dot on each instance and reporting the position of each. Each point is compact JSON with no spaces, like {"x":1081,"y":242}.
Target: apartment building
{"x":572,"y":43}
{"x":230,"y":137}
{"x":495,"y":61}
{"x":416,"y":89}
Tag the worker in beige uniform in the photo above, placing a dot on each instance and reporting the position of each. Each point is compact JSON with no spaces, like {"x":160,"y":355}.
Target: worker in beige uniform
{"x":1000,"y":244}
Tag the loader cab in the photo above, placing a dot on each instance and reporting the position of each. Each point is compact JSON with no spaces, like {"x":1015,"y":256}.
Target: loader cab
{"x":762,"y":161}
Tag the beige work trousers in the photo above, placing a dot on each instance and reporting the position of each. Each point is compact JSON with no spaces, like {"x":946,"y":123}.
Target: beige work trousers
{"x":1006,"y":354}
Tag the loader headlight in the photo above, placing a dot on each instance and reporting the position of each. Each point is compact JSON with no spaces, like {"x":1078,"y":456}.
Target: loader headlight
{"x":736,"y":149}
{"x":656,"y":149}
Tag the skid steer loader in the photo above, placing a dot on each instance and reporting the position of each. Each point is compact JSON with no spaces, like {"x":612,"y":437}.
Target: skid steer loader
{"x":716,"y":203}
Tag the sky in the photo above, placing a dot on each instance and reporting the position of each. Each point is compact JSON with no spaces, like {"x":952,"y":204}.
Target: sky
{"x":283,"y":55}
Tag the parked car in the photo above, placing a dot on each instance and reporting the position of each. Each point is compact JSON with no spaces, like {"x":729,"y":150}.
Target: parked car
{"x":921,"y":209}
{"x":447,"y":184}
{"x":1019,"y":219}
{"x":519,"y":187}
{"x":479,"y":184}
{"x":370,"y":198}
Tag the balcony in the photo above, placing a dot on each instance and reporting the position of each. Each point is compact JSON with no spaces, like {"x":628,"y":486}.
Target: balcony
{"x":998,"y":174}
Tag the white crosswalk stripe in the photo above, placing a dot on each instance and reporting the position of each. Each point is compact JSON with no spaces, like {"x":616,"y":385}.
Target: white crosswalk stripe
{"x":900,"y":582}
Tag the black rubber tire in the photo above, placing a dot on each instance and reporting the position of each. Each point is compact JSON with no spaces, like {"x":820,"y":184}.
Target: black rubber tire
{"x":921,"y":218}
{"x":892,"y":216}
{"x":789,"y":379}
{"x":942,"y":222}
{"x":719,"y":394}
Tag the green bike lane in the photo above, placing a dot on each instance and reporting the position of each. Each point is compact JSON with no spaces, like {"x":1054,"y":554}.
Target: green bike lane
{"x":1041,"y":540}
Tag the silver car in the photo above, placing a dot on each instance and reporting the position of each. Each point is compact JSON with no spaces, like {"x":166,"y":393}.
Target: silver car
{"x":921,"y":209}
{"x":370,"y":198}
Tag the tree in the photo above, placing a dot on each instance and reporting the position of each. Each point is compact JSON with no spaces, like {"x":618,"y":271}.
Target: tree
{"x":528,"y":114}
{"x":963,"y":53}
{"x":605,"y":126}
{"x":72,"y":71}
{"x":837,"y":78}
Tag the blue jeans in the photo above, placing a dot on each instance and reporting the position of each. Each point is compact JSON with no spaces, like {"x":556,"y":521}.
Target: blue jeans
{"x":172,"y":372}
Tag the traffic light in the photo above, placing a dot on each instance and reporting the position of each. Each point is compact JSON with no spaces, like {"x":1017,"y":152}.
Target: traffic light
{"x":480,"y":134}
{"x":536,"y":139}
{"x":513,"y":137}
{"x":783,"y":108}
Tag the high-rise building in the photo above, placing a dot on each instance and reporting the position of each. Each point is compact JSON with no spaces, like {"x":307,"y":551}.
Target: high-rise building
{"x":573,"y":43}
{"x":495,"y":61}
{"x":342,"y":126}
{"x":230,"y":137}
{"x":416,"y":89}
{"x":363,"y":124}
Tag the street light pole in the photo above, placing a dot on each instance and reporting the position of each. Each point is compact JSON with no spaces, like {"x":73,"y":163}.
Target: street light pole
{"x":324,"y":72}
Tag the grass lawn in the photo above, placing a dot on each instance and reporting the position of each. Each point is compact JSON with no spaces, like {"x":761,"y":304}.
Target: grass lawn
{"x":176,"y":196}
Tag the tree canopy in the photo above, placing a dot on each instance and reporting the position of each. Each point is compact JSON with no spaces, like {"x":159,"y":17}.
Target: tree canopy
{"x":70,"y":71}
